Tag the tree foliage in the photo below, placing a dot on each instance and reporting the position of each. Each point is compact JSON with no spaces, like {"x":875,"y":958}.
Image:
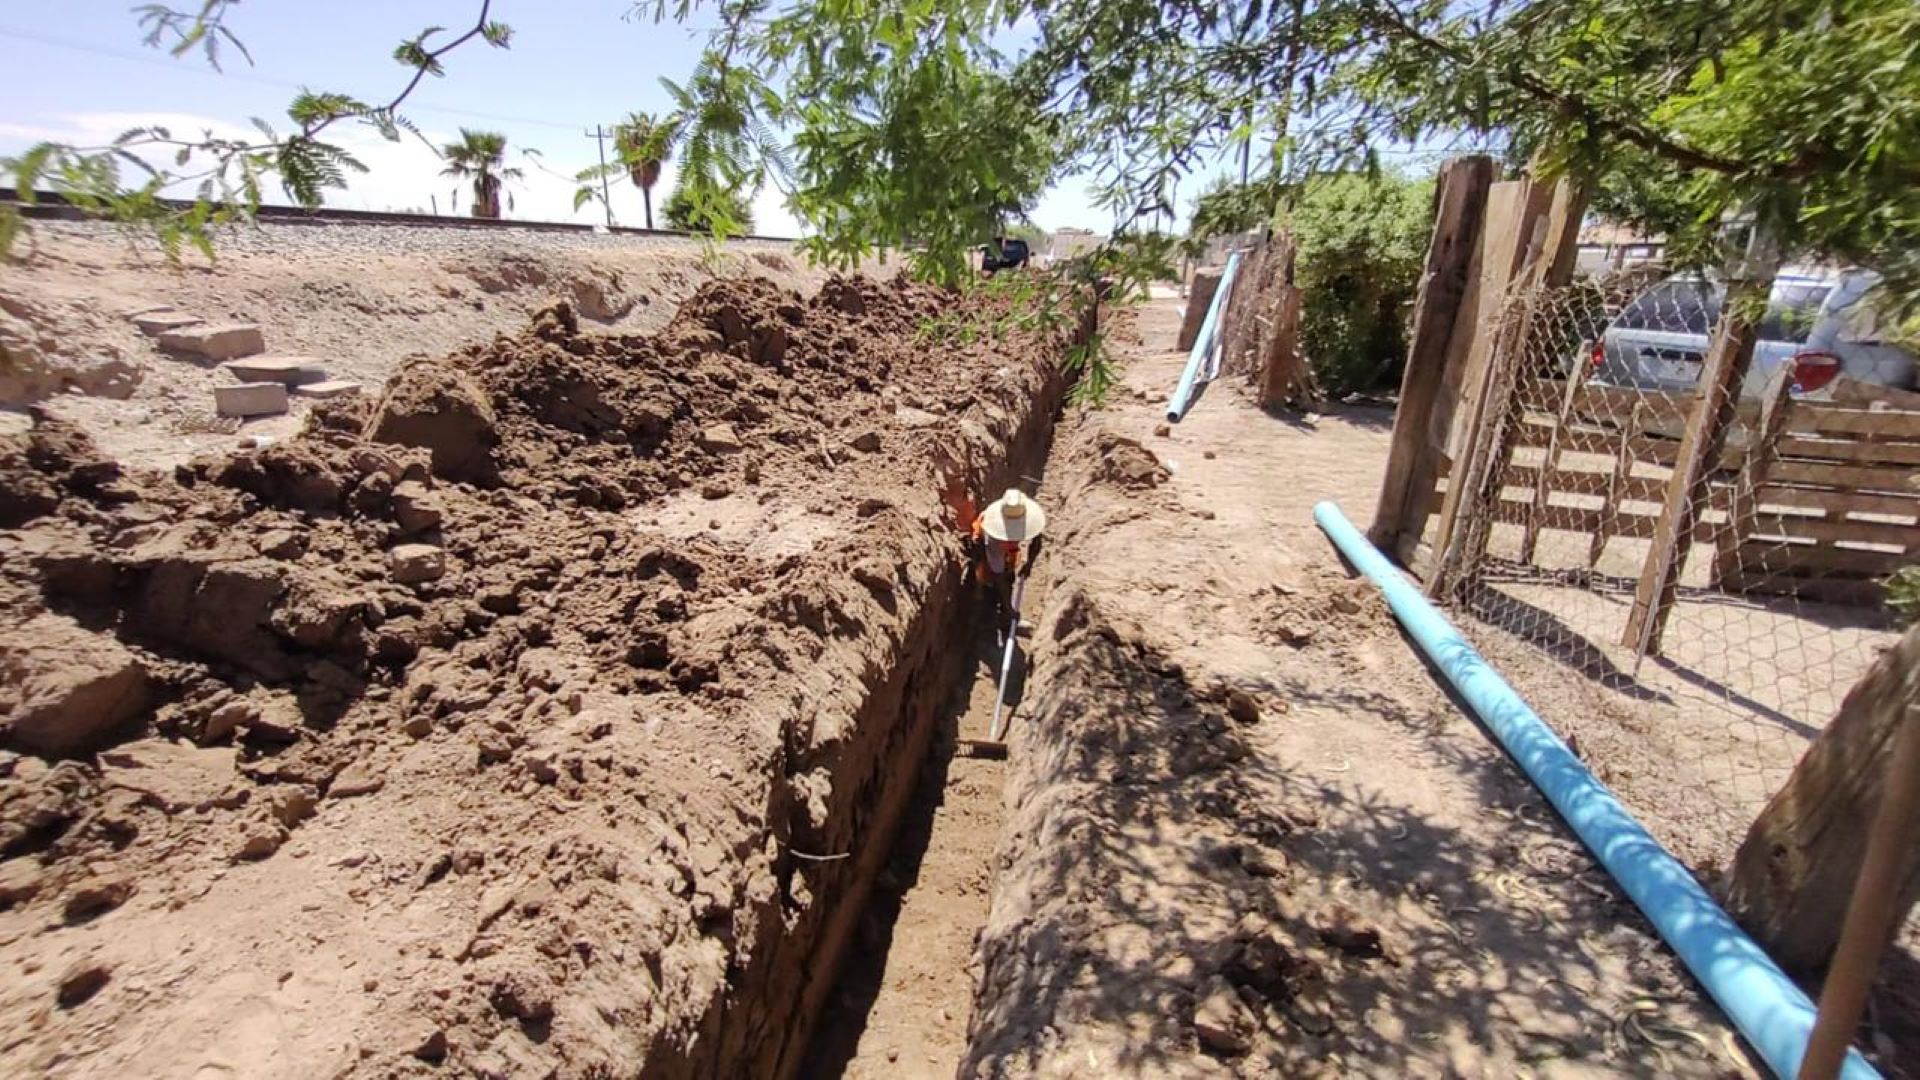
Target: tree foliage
{"x":683,"y":213}
{"x":121,"y":182}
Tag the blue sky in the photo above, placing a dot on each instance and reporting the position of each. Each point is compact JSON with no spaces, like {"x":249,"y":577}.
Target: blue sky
{"x":77,"y":72}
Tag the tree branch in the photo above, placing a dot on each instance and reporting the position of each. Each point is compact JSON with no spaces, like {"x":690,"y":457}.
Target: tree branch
{"x":1390,"y":20}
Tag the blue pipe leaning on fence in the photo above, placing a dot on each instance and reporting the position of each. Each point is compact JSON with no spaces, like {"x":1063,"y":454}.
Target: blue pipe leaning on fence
{"x":1770,"y":1011}
{"x":1182,"y":399}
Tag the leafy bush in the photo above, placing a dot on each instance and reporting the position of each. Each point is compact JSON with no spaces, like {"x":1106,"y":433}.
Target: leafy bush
{"x":1361,"y":241}
{"x":681,"y":213}
{"x":1903,"y":595}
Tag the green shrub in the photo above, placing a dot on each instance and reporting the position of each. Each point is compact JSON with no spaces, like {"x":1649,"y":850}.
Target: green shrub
{"x":1903,"y":595}
{"x":1361,"y":241}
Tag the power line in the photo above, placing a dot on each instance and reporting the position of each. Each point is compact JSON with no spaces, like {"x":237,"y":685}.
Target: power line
{"x":258,"y":80}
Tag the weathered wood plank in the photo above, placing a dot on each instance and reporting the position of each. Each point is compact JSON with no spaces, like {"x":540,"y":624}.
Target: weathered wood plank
{"x":1412,"y":467}
{"x":1864,"y":592}
{"x":1580,"y":482}
{"x":1853,"y":450}
{"x":1815,"y":418}
{"x":1840,"y":502}
{"x":1772,"y":558}
{"x":1811,"y":528}
{"x":1836,"y":475}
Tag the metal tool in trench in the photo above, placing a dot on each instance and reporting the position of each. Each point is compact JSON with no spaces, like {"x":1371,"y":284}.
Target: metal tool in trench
{"x":997,"y":732}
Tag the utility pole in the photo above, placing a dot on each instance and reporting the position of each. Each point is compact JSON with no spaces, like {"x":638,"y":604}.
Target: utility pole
{"x":599,"y":136}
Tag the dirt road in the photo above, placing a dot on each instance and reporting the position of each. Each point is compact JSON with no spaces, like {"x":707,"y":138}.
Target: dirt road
{"x":1247,"y":834}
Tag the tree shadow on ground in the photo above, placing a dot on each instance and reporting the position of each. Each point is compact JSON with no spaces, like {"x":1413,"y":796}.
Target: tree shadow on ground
{"x":1554,"y":637}
{"x":1152,"y":835}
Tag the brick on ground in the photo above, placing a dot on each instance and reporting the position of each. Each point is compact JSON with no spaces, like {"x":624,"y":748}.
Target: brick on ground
{"x":155,"y":323}
{"x":250,"y":399}
{"x":225,"y":341}
{"x":328,"y":388}
{"x":287,"y":370}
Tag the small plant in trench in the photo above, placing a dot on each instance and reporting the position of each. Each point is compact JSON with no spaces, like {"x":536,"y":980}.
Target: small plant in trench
{"x":1903,"y":595}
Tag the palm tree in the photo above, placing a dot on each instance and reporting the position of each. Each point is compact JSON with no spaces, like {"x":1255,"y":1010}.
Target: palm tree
{"x":479,"y":155}
{"x":644,"y":143}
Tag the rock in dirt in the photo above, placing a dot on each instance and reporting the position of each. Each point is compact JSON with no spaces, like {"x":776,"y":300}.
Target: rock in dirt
{"x":1125,"y":462}
{"x":416,"y":508}
{"x":1243,"y":707}
{"x":1344,"y":929}
{"x":1222,"y":1021}
{"x":81,"y":980}
{"x":223,"y":341}
{"x":357,"y":778}
{"x":174,"y":776}
{"x":262,"y":841}
{"x":415,"y":564}
{"x":64,"y":690}
{"x":719,"y":438}
{"x":20,"y":881}
{"x":425,"y":1040}
{"x":1263,"y":962}
{"x":97,"y":896}
{"x":1162,"y":431}
{"x":434,"y":406}
{"x":867,"y":442}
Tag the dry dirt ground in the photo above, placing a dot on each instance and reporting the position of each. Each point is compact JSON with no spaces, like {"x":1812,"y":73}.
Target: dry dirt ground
{"x":535,"y":714}
{"x":534,"y":717}
{"x":1247,"y":834}
{"x":357,"y":299}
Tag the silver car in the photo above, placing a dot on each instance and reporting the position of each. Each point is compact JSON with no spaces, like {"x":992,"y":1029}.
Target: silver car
{"x":1822,"y":322}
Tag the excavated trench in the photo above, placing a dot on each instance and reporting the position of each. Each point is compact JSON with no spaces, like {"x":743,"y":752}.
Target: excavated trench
{"x":572,"y":695}
{"x":897,"y":766}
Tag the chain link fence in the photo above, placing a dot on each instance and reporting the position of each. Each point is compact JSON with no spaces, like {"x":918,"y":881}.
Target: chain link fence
{"x":1805,"y":512}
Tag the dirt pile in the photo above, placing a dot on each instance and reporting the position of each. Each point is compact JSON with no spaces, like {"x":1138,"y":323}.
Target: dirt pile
{"x":492,"y":721}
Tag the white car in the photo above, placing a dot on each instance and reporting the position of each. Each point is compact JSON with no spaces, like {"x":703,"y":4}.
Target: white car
{"x":1822,"y":322}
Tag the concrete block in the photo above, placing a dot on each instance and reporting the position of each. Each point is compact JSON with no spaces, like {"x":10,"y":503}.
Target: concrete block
{"x":250,"y":399}
{"x":328,"y":388}
{"x":287,"y":370}
{"x":224,"y":341}
{"x":155,"y":323}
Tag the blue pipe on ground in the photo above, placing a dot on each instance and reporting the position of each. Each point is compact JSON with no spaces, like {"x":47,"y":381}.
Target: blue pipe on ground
{"x":1182,"y":399}
{"x":1770,"y":1011}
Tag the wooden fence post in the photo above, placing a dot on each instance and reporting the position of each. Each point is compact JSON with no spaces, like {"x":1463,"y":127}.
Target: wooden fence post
{"x":1728,"y":357}
{"x":1879,"y":902}
{"x":1794,"y":873}
{"x":1548,"y":245}
{"x":1743,"y":511}
{"x":1282,"y":374}
{"x":1460,"y":199}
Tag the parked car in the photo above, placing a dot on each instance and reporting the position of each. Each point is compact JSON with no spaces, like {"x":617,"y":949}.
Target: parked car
{"x":1004,"y":253}
{"x":1820,"y":321}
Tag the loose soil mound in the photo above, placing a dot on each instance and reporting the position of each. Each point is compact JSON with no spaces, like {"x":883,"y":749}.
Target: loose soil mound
{"x":515,"y":720}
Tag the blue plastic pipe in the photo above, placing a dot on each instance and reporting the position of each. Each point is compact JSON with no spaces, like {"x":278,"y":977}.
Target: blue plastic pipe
{"x":1770,"y":1011}
{"x":1182,"y":398}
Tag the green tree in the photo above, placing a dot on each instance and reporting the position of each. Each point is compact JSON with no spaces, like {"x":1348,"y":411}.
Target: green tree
{"x":479,"y":157}
{"x":645,"y":142}
{"x":684,"y":214}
